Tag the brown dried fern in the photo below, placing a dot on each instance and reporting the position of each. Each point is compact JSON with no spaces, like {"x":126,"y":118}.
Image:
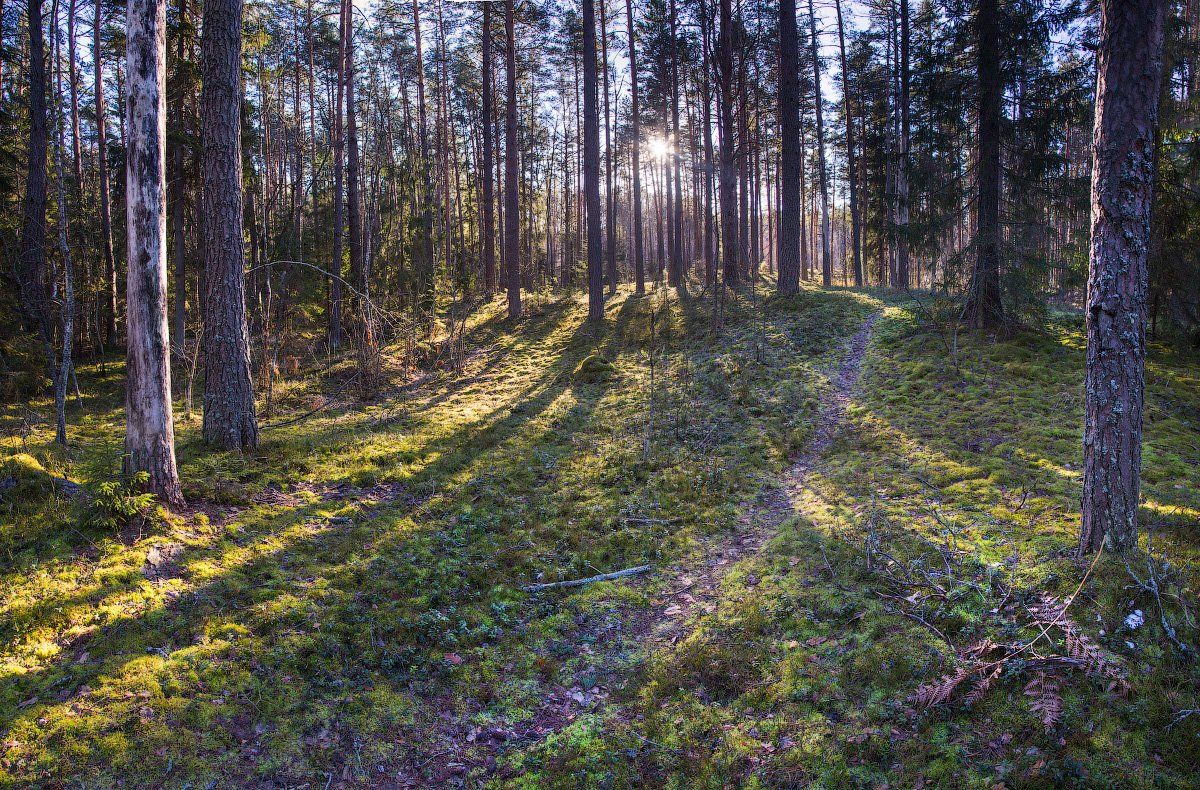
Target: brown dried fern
{"x":1044,"y":691}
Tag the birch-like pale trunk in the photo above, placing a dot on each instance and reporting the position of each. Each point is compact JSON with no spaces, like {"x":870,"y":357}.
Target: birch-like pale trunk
{"x":1129,"y":80}
{"x":149,"y":431}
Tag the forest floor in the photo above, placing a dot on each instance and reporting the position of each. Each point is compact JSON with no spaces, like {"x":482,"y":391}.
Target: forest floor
{"x":860,"y":533}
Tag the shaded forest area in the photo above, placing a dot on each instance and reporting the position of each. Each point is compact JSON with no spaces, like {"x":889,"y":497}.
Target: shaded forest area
{"x":669,"y":393}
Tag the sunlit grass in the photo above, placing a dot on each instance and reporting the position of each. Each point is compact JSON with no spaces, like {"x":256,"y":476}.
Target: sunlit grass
{"x":299,"y":626}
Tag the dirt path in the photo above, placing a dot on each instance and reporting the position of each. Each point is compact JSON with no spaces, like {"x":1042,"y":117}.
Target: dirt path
{"x":697,"y":587}
{"x":468,"y":756}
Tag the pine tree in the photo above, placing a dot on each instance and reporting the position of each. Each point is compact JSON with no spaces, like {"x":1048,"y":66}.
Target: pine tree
{"x":229,"y":417}
{"x":1129,"y":66}
{"x":791,"y":157}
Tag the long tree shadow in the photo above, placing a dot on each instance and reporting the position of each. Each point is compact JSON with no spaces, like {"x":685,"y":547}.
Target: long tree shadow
{"x":262,"y":580}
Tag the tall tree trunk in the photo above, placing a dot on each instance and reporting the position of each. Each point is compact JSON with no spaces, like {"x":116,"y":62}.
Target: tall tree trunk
{"x":591,"y":165}
{"x":675,"y":274}
{"x":149,"y":431}
{"x":822,"y":175}
{"x":176,"y":189}
{"x":64,"y":246}
{"x":983,"y":308}
{"x":358,"y":270}
{"x":485,"y":169}
{"x":610,"y":215}
{"x":35,"y":298}
{"x":728,"y":177}
{"x":902,"y":156}
{"x":425,"y":263}
{"x":1129,"y":66}
{"x":339,"y":219}
{"x":851,"y":154}
{"x":639,"y":261}
{"x":710,"y":264}
{"x":229,"y":419}
{"x":73,"y":84}
{"x":108,"y":262}
{"x":791,"y":156}
{"x":512,"y":150}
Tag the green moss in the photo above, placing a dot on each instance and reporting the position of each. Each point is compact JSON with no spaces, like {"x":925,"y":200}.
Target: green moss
{"x":355,"y":584}
{"x":25,"y":476}
{"x":804,"y":677}
{"x":592,"y":370}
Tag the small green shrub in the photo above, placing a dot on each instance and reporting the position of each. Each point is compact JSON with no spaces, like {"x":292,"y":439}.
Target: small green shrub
{"x":116,"y":503}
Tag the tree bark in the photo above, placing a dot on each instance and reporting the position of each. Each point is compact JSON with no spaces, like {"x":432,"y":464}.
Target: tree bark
{"x":591,"y":165}
{"x":339,"y":218}
{"x":675,"y":272}
{"x":425,"y":260}
{"x":610,"y":221}
{"x":358,"y":269}
{"x":983,"y":308}
{"x":485,"y":170}
{"x":822,"y":174}
{"x":108,"y":261}
{"x":639,"y":261}
{"x":728,"y":176}
{"x":512,"y":150}
{"x":149,"y":432}
{"x":176,"y":189}
{"x":64,"y":246}
{"x":229,"y":418}
{"x":31,"y":273}
{"x":851,"y":155}
{"x":902,"y":156}
{"x":1129,"y":66}
{"x":790,"y":207}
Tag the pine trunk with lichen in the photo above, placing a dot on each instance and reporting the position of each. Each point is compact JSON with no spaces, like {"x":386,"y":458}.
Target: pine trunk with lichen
{"x":1129,"y":67}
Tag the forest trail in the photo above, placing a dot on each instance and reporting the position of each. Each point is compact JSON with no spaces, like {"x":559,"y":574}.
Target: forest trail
{"x":692,"y":588}
{"x":350,"y":606}
{"x":697,"y":587}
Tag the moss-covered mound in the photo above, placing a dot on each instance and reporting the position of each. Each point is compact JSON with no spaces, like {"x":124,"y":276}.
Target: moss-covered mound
{"x":22,"y":475}
{"x":593,"y":370}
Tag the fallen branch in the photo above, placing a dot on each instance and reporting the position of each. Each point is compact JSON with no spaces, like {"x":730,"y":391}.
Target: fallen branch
{"x":603,"y":577}
{"x":1180,"y":715}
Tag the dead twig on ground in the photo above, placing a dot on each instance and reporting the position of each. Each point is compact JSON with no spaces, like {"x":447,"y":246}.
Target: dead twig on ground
{"x":601,"y":577}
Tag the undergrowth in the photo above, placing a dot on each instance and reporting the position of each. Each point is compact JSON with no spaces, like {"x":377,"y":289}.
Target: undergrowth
{"x":348,"y":598}
{"x":922,"y":622}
